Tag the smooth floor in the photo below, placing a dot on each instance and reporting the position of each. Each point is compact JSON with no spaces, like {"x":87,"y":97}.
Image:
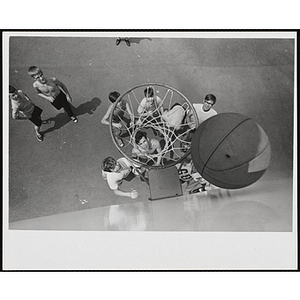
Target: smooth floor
{"x":261,"y":207}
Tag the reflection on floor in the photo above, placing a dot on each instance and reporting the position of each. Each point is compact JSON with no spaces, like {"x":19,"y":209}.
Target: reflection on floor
{"x":264,"y":206}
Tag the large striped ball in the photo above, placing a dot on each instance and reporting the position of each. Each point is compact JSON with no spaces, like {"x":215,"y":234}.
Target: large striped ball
{"x":230,"y":150}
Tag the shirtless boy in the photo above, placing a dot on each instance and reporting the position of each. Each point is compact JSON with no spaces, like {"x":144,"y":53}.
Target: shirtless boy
{"x":52,"y":90}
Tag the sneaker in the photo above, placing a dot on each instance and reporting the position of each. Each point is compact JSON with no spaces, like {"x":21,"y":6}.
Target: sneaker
{"x":199,"y":189}
{"x":39,"y":137}
{"x":127,"y":42}
{"x":118,"y":41}
{"x":74,"y":119}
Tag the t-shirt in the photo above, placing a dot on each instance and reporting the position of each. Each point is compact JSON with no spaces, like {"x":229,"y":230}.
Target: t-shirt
{"x":203,"y":115}
{"x":146,"y":106}
{"x":174,"y":117}
{"x":187,"y":171}
{"x":114,"y":178}
{"x":21,"y":106}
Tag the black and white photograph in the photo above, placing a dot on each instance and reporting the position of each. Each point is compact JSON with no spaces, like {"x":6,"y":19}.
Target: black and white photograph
{"x":142,"y":143}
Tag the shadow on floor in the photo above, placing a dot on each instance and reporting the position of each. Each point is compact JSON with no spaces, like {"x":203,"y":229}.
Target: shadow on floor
{"x":137,"y":40}
{"x":87,"y":108}
{"x":62,"y":119}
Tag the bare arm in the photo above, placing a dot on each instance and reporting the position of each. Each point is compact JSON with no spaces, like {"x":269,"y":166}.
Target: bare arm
{"x":63,"y":88}
{"x":49,"y":98}
{"x":130,"y":113}
{"x":141,"y":108}
{"x":146,"y":113}
{"x":106,"y":116}
{"x":160,"y":106}
{"x":191,"y":119}
{"x":15,"y":114}
{"x":133,"y":194}
{"x":158,"y":149}
{"x":161,"y":109}
{"x":18,"y":115}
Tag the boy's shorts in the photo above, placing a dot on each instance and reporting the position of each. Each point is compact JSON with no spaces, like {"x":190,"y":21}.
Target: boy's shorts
{"x":60,"y":101}
{"x":36,"y":116}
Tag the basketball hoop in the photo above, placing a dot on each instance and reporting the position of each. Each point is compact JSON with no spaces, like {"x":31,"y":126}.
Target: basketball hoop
{"x":168,"y":121}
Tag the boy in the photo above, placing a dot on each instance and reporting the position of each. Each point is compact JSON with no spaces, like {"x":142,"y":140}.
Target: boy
{"x":174,"y":118}
{"x":146,"y":148}
{"x":151,"y":105}
{"x":205,"y":110}
{"x":114,"y":171}
{"x":150,"y":109}
{"x":188,"y":173}
{"x":52,"y":90}
{"x":118,"y":115}
{"x":24,"y":108}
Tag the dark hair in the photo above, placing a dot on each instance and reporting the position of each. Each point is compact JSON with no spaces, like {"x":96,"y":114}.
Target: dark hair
{"x":12,"y":89}
{"x":34,"y":70}
{"x":149,"y":92}
{"x":211,"y":97}
{"x":113,"y":96}
{"x":139,"y":135}
{"x":108,"y":164}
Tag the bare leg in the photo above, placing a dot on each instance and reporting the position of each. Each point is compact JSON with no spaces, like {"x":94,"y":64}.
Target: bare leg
{"x":38,"y":134}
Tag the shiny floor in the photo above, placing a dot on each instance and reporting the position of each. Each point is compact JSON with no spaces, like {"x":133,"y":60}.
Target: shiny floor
{"x":265,"y":206}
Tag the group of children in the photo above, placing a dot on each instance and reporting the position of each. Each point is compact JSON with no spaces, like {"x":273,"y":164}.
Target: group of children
{"x":50,"y":89}
{"x":150,"y":109}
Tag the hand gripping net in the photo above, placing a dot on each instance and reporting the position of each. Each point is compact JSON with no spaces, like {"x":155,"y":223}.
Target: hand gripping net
{"x":170,"y":120}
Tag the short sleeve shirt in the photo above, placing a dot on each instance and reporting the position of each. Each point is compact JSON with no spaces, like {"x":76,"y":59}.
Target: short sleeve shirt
{"x":22,"y":105}
{"x":203,"y":115}
{"x":114,"y":178}
{"x":145,"y":106}
{"x":174,"y":117}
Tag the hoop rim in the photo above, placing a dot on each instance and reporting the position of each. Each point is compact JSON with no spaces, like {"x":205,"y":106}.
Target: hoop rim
{"x":137,"y":163}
